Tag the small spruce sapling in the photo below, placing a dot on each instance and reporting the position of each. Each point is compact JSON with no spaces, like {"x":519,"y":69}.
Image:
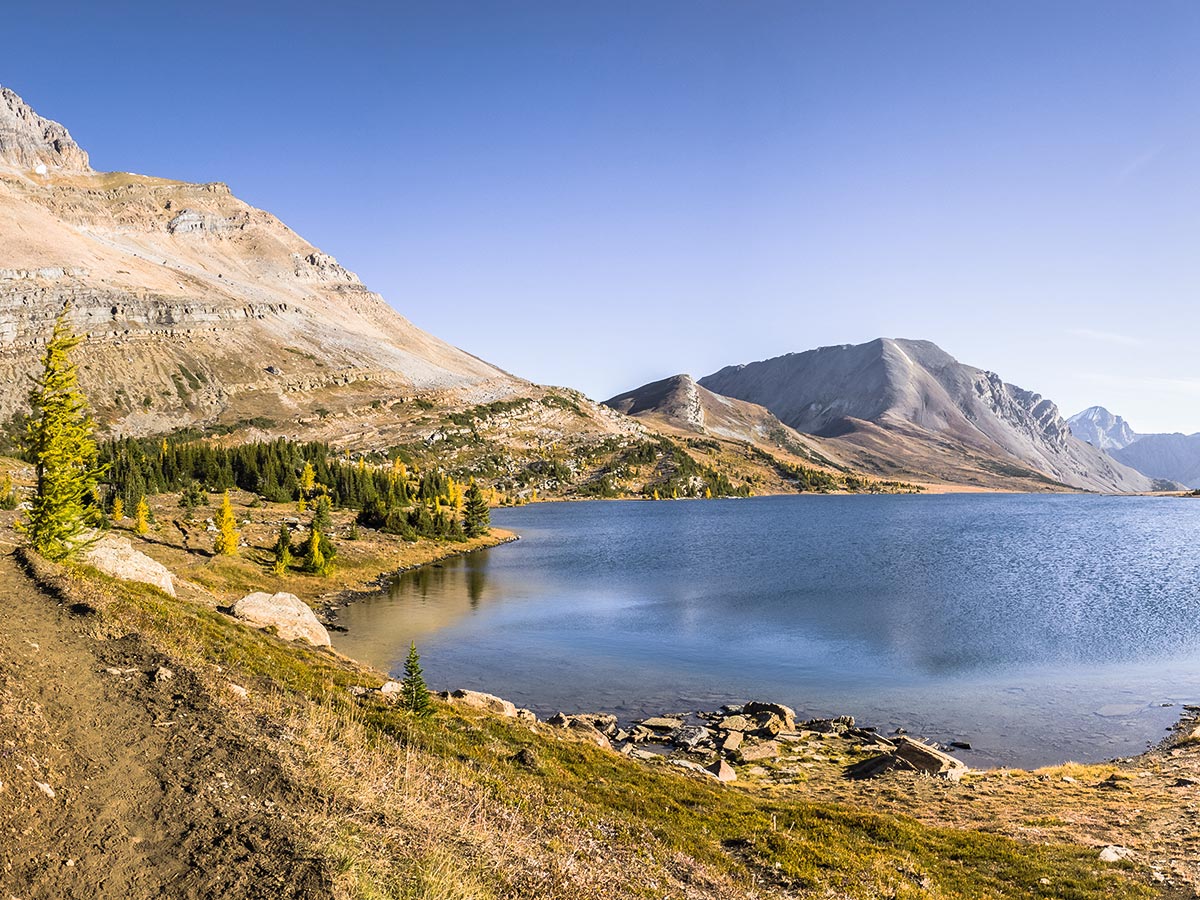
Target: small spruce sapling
{"x":282,"y":551}
{"x":414,"y":694}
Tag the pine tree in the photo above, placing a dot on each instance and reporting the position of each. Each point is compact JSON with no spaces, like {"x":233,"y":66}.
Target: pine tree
{"x":141,"y":517}
{"x":414,"y":695}
{"x":59,"y":442}
{"x":118,"y":510}
{"x":283,"y":551}
{"x":476,"y":518}
{"x":226,"y":541}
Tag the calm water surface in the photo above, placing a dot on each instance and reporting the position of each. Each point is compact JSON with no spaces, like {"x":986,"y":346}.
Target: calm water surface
{"x":1039,"y":628}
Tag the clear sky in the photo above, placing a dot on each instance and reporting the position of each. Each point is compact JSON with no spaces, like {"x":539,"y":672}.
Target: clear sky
{"x":602,"y":194}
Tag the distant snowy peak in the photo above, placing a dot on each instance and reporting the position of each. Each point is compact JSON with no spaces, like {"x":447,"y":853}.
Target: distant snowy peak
{"x":1102,"y":429}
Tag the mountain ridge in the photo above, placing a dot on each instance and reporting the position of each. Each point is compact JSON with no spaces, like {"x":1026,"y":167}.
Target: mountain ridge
{"x":920,"y":394}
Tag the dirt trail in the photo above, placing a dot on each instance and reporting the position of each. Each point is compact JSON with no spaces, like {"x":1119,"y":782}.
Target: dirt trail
{"x":127,"y":786}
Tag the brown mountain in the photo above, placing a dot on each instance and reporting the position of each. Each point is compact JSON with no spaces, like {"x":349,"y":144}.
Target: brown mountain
{"x":909,"y":409}
{"x":198,"y":308}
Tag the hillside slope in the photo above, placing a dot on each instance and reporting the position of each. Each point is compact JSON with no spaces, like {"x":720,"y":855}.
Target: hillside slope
{"x":198,"y":307}
{"x":912,"y":404}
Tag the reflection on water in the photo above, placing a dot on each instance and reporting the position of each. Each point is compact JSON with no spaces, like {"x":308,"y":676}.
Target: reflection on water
{"x":1040,"y":628}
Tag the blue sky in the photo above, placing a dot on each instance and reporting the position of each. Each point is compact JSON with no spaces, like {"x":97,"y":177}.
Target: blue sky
{"x":601,"y":194}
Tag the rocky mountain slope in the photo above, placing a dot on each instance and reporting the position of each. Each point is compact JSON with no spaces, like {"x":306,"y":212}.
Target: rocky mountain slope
{"x":198,"y":307}
{"x":914,"y":410}
{"x":1167,"y":457}
{"x":1102,"y":429}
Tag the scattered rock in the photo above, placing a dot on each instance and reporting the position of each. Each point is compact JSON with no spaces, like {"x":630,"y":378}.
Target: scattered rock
{"x":910,"y":756}
{"x":527,"y":715}
{"x":479,"y":700}
{"x":526,"y":758}
{"x":1112,"y":853}
{"x":238,"y":691}
{"x":737,"y":723}
{"x":689,"y":737}
{"x":45,"y":789}
{"x":763,"y":750}
{"x":722,"y":771}
{"x":786,"y":713}
{"x":390,"y":688}
{"x":661,"y":723}
{"x":585,"y":731}
{"x":115,"y":556}
{"x":960,"y":745}
{"x":286,"y":613}
{"x":729,"y":742}
{"x":162,"y":673}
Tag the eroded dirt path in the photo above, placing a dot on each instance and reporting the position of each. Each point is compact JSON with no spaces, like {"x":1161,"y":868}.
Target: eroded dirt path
{"x":115,"y":784}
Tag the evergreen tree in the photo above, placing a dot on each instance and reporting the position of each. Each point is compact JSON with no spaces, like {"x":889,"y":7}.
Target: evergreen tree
{"x":118,"y":510}
{"x":226,"y":541}
{"x":192,"y":498}
{"x":141,"y":517}
{"x":322,"y":520}
{"x":477,"y":519}
{"x":59,"y":443}
{"x":282,"y":551}
{"x":414,"y":695}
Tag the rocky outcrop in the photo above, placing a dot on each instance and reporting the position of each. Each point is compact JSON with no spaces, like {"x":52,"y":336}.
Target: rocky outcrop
{"x":290,"y":616}
{"x":909,"y":755}
{"x":29,"y":142}
{"x":116,"y":557}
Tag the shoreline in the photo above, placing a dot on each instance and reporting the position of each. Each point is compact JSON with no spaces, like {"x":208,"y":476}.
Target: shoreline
{"x":1188,"y":716}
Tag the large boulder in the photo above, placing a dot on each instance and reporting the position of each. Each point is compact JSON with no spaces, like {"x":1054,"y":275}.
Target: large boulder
{"x":115,"y":556}
{"x":910,"y":755}
{"x":480,"y":700}
{"x":286,"y":613}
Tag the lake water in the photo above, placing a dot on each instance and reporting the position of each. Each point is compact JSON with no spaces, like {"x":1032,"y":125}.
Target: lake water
{"x":1038,"y":628}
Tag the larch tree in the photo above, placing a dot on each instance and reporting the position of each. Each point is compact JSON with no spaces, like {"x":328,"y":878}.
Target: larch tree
{"x":141,"y":517}
{"x":64,"y":510}
{"x":226,"y":541}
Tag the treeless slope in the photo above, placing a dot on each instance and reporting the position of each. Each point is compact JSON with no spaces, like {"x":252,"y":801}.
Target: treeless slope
{"x":197,"y":306}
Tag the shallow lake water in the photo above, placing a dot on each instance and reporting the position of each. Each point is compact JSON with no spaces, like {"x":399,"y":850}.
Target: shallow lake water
{"x":1038,"y":628}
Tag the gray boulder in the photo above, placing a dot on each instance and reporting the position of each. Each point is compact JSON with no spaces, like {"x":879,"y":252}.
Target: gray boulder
{"x":115,"y":556}
{"x":480,"y":700}
{"x":286,"y":613}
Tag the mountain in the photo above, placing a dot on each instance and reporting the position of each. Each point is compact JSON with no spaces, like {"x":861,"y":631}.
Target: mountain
{"x":1102,"y":429}
{"x":913,"y":410}
{"x":1170,"y":457}
{"x":198,"y":308}
{"x":1166,"y":457}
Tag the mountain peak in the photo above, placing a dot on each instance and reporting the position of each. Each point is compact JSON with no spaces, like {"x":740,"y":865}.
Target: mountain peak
{"x":1102,"y":429}
{"x":28,"y":141}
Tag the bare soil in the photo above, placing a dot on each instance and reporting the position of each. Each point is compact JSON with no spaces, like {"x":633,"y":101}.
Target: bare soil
{"x":116,"y":782}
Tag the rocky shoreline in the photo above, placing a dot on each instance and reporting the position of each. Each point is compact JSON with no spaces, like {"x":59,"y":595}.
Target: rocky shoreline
{"x":762,"y":740}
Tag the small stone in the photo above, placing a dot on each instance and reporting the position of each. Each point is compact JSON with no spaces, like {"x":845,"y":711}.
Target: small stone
{"x":1112,"y":853}
{"x":730,"y":741}
{"x":162,"y":673}
{"x":45,"y":789}
{"x":390,"y":687}
{"x":960,"y":745}
{"x":238,"y":691}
